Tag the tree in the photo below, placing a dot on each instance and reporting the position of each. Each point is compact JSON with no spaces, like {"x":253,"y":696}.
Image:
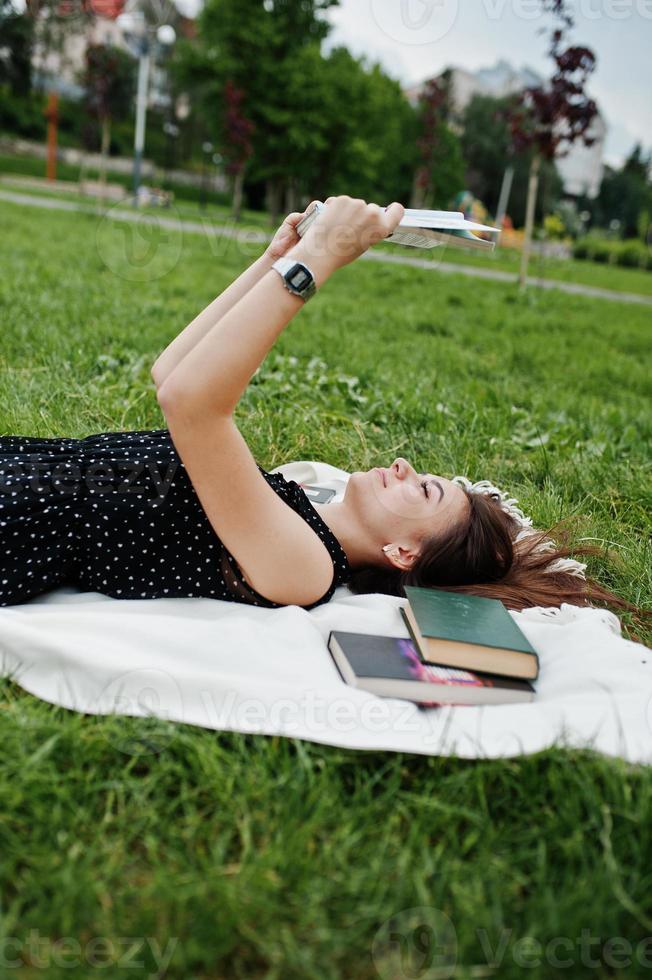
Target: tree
{"x":256,"y":45}
{"x":626,"y":195}
{"x":546,"y":118}
{"x":16,"y":41}
{"x":440,"y":171}
{"x":320,"y":124}
{"x":108,"y":82}
{"x":236,"y":145}
{"x":368,"y":132}
{"x":55,"y":23}
{"x":487,"y":147}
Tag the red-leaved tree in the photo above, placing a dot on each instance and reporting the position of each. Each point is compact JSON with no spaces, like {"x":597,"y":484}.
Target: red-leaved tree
{"x":549,"y":118}
{"x":237,"y":146}
{"x":107,"y":79}
{"x":434,"y":104}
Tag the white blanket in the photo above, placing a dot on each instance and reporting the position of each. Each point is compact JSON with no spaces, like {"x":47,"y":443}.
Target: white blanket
{"x":228,"y":666}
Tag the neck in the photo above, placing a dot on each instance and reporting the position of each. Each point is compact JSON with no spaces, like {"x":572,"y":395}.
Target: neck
{"x":359,"y":553}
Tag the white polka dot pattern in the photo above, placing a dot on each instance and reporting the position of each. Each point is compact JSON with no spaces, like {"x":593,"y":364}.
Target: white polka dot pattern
{"x":116,"y":513}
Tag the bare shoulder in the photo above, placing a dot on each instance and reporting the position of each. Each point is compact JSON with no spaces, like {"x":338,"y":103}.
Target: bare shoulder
{"x":279,"y":554}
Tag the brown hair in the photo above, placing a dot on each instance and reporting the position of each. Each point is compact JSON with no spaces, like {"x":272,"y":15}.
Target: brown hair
{"x":481,"y":556}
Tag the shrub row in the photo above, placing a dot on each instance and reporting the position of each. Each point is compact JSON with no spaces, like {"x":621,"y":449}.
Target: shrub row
{"x":632,"y":252}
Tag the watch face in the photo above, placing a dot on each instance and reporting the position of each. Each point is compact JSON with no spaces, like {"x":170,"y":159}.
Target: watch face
{"x":298,"y":277}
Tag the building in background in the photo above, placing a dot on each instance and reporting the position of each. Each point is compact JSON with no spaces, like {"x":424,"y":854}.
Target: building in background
{"x":56,"y":66}
{"x":59,"y":51}
{"x":580,"y":170}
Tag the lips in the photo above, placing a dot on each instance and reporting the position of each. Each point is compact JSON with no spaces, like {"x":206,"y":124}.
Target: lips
{"x":382,"y":476}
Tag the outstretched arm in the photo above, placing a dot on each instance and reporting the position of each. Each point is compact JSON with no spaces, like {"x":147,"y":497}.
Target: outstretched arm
{"x":278,"y":553}
{"x":284,"y":239}
{"x":215,"y":372}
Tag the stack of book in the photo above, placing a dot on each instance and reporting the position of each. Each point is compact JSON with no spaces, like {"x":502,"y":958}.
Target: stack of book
{"x":462,"y":649}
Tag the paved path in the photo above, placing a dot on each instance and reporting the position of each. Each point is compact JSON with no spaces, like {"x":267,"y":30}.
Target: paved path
{"x":206,"y":227}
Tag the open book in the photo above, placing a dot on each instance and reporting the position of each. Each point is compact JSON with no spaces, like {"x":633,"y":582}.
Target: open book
{"x":426,"y":229}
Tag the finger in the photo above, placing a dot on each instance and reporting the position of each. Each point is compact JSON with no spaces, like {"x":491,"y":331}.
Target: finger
{"x":328,"y":200}
{"x":294,"y":218}
{"x":394,"y":215}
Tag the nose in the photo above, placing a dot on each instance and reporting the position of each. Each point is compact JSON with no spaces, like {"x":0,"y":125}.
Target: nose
{"x":401,"y":468}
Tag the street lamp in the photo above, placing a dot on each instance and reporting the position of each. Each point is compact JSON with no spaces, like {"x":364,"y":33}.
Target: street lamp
{"x":134,"y":24}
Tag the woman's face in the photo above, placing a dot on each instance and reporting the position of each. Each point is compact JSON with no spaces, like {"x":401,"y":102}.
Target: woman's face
{"x":396,"y":504}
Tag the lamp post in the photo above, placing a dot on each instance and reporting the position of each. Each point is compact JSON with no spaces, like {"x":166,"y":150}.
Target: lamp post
{"x":134,"y":25}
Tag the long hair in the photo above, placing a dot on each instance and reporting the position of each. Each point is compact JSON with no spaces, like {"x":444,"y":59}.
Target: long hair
{"x":489,"y":554}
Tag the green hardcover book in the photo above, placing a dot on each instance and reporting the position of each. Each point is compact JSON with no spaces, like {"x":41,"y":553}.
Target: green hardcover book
{"x":468,"y":632}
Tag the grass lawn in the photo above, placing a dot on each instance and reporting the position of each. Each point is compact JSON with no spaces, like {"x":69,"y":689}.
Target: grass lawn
{"x":615,"y":277}
{"x":244,"y":856}
{"x":585,"y":273}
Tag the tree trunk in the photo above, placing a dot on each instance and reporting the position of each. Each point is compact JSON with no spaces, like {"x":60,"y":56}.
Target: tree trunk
{"x":532,"y":186}
{"x":238,"y":185}
{"x":503,"y":200}
{"x":419,"y":192}
{"x":106,"y":142}
{"x":273,"y":199}
{"x":291,"y":196}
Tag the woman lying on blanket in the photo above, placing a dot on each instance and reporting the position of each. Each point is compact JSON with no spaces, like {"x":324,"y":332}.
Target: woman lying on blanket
{"x":186,"y":510}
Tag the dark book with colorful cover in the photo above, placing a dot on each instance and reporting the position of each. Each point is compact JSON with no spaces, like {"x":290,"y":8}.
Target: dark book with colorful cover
{"x":390,"y":667}
{"x":469,"y":632}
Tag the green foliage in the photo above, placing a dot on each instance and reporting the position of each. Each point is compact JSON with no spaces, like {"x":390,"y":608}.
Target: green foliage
{"x":448,"y":169}
{"x":254,"y":857}
{"x":486,"y":150}
{"x":554,"y":226}
{"x":625,"y":196}
{"x":324,"y":124}
{"x":632,"y":253}
{"x":16,"y":43}
{"x":368,"y":132}
{"x":21,"y":115}
{"x":255,"y":46}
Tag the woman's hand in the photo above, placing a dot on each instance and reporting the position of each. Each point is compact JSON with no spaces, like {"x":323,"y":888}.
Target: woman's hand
{"x":344,"y":230}
{"x":287,"y":236}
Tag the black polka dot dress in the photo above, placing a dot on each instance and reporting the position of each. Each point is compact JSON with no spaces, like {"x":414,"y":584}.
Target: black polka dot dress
{"x":117,"y":513}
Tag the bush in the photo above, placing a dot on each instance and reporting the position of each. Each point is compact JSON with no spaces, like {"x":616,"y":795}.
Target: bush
{"x":601,"y":251}
{"x":22,"y":116}
{"x":581,"y":249}
{"x":632,"y":254}
{"x":554,"y":227}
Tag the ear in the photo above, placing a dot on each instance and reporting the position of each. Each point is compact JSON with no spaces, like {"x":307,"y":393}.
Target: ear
{"x":401,"y":558}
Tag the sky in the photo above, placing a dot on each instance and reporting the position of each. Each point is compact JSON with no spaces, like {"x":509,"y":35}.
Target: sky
{"x":416,"y":39}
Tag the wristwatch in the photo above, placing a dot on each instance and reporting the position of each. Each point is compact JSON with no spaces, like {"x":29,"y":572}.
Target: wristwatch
{"x":297,"y":277}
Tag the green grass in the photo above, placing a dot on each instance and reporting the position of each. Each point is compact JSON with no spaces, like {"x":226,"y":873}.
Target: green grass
{"x":257,"y":857}
{"x":26,"y":166}
{"x":583,"y":272}
{"x":565,"y":270}
{"x":180,"y":208}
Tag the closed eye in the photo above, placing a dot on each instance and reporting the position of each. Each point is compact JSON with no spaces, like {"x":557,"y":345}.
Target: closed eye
{"x":425,"y":485}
